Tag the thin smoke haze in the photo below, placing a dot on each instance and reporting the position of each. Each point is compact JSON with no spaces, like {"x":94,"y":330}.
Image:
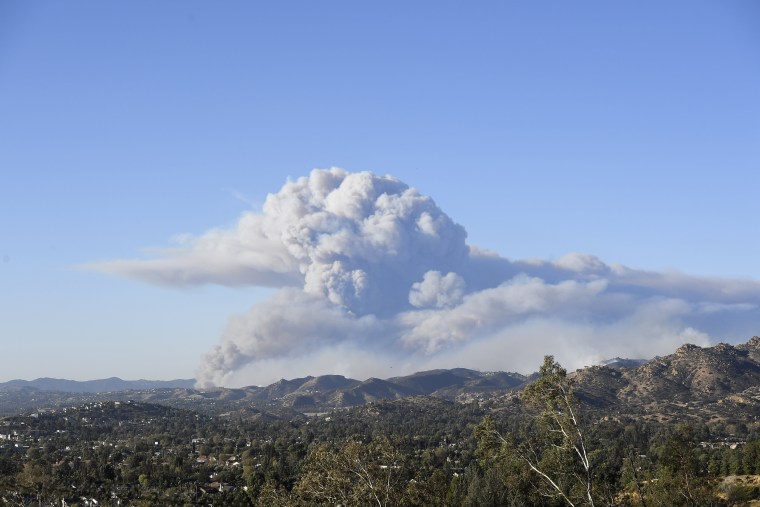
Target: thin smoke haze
{"x":374,"y":279}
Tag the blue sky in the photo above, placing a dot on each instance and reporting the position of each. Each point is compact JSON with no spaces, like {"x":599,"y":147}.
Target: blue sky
{"x":625,"y":130}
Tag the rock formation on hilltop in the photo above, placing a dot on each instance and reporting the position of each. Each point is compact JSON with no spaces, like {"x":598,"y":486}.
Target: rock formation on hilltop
{"x":710,"y":383}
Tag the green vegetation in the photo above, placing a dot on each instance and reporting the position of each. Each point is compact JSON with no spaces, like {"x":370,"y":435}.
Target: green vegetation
{"x":539,"y":448}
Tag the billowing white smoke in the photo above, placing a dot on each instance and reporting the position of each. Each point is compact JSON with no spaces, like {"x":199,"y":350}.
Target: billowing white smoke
{"x":437,"y":290}
{"x":361,"y":240}
{"x":375,"y":276}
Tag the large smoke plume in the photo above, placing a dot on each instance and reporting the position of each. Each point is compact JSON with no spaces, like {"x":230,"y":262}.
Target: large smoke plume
{"x":376,"y":280}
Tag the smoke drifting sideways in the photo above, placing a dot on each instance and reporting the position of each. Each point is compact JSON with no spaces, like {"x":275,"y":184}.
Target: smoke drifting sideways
{"x":375,"y":280}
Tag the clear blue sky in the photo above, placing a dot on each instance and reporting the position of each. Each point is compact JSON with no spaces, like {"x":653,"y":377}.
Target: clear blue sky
{"x":627,"y":130}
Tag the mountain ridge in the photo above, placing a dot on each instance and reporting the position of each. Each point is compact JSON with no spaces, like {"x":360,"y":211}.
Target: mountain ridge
{"x":95,"y":386}
{"x":709,"y":383}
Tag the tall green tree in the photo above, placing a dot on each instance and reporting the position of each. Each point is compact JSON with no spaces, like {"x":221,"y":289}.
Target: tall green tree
{"x":682,"y":479}
{"x":552,"y":448}
{"x":353,"y":473}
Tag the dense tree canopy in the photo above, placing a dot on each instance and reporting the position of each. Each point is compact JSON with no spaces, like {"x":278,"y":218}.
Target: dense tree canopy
{"x":541,"y":448}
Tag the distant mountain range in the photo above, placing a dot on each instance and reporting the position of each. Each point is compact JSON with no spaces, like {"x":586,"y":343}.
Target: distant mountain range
{"x":620,"y":363}
{"x":711,"y":383}
{"x":336,"y":391}
{"x":301,"y":395}
{"x":95,"y":386}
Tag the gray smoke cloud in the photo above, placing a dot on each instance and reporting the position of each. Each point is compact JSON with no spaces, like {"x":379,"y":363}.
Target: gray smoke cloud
{"x":376,"y":280}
